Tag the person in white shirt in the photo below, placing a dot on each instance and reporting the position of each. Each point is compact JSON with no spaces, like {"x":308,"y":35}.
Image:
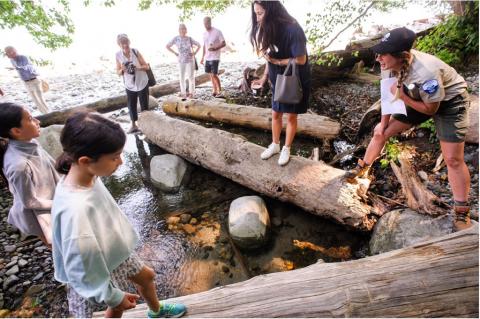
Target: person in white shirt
{"x":186,"y":50}
{"x":93,"y":240}
{"x":213,"y":42}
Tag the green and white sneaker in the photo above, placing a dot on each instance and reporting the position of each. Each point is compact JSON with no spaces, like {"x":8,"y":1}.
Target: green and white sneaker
{"x":168,"y":310}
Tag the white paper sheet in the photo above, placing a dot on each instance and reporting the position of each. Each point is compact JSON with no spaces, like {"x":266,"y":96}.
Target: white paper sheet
{"x":386,"y":98}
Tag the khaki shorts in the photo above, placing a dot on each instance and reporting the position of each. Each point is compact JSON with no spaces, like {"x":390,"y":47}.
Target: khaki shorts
{"x":451,"y":119}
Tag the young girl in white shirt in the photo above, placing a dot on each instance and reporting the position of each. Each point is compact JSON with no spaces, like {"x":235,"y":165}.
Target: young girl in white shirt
{"x":93,"y":241}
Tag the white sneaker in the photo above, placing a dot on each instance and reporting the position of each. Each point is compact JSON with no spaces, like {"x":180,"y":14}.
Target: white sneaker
{"x":284,"y":156}
{"x":270,"y":151}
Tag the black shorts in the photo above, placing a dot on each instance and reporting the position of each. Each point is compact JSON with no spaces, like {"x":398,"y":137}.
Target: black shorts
{"x":451,"y":119}
{"x":212,"y":66}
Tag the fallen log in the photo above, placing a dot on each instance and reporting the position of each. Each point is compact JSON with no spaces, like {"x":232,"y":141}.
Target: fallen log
{"x":314,"y":186}
{"x":419,"y":198}
{"x":113,"y":103}
{"x":255,"y":117}
{"x":436,"y":278}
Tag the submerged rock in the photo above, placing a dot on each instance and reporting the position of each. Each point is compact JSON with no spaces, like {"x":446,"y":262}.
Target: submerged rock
{"x":405,"y":227}
{"x":248,"y":221}
{"x":168,"y":171}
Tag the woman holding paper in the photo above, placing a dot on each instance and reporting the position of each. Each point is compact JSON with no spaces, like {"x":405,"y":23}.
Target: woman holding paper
{"x":429,"y":88}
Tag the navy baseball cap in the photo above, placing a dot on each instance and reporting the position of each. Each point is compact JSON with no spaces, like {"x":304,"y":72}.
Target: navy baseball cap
{"x":397,"y":40}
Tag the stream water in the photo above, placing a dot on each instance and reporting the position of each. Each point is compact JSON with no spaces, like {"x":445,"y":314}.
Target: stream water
{"x":196,"y":253}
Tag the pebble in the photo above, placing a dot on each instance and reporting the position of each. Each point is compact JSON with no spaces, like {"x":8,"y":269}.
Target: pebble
{"x":189,"y":229}
{"x":172,"y":220}
{"x":185,"y":218}
{"x":11,"y":263}
{"x":22,"y":262}
{"x":38,"y":276}
{"x":12,"y":271}
{"x":423,"y":175}
{"x":10,"y":281}
{"x":10,"y":248}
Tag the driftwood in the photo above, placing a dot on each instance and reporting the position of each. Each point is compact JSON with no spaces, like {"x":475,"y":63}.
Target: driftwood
{"x":314,"y":186}
{"x":437,"y":278}
{"x":419,"y":198}
{"x":113,"y":103}
{"x":249,"y":116}
{"x":345,"y":60}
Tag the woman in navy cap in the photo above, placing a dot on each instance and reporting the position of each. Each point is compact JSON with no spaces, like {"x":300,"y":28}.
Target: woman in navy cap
{"x":430,"y":88}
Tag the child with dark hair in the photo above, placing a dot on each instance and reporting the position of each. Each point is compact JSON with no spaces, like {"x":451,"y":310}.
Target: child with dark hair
{"x":93,"y":241}
{"x":28,"y":170}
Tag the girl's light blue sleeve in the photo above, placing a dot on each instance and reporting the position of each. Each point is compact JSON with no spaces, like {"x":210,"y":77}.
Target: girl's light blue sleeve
{"x":85,"y":265}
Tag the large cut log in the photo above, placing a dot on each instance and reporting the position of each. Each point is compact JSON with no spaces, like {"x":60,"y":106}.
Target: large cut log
{"x":113,"y":103}
{"x":249,"y":116}
{"x":314,"y":186}
{"x":437,"y":278}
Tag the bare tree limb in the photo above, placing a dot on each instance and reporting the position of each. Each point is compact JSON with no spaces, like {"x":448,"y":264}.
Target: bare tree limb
{"x":349,"y":25}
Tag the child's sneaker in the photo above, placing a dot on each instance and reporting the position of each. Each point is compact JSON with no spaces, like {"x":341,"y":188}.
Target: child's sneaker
{"x":168,"y":310}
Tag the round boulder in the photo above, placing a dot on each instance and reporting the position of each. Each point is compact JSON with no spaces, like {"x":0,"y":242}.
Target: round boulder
{"x":405,"y":227}
{"x":49,"y":139}
{"x":168,"y":171}
{"x":248,"y":222}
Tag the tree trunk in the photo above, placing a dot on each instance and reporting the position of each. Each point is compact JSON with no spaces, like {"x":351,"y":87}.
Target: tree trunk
{"x":113,"y":103}
{"x":249,"y":116}
{"x":314,"y":186}
{"x":437,"y":278}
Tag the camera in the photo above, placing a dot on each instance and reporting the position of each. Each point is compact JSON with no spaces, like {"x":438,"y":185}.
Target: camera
{"x":130,"y":67}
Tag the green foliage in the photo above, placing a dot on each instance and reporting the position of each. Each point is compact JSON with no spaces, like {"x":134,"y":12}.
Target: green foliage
{"x":430,"y":126}
{"x":455,"y":39}
{"x":392,"y":150}
{"x":188,"y":7}
{"x":47,"y":21}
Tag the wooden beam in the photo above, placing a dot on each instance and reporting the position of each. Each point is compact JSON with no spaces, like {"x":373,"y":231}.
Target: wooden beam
{"x":113,"y":103}
{"x":249,"y":116}
{"x":437,"y":278}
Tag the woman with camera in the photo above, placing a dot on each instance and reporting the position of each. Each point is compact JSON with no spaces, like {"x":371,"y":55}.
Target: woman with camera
{"x":277,"y":36}
{"x":132,"y":66}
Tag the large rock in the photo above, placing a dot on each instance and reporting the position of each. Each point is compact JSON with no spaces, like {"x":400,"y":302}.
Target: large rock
{"x":472,"y":133}
{"x":405,"y":227}
{"x":50,"y":139}
{"x":168,"y":171}
{"x":248,"y":221}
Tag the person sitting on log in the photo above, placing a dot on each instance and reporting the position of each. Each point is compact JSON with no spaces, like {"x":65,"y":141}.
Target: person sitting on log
{"x":429,"y":88}
{"x":279,"y":38}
